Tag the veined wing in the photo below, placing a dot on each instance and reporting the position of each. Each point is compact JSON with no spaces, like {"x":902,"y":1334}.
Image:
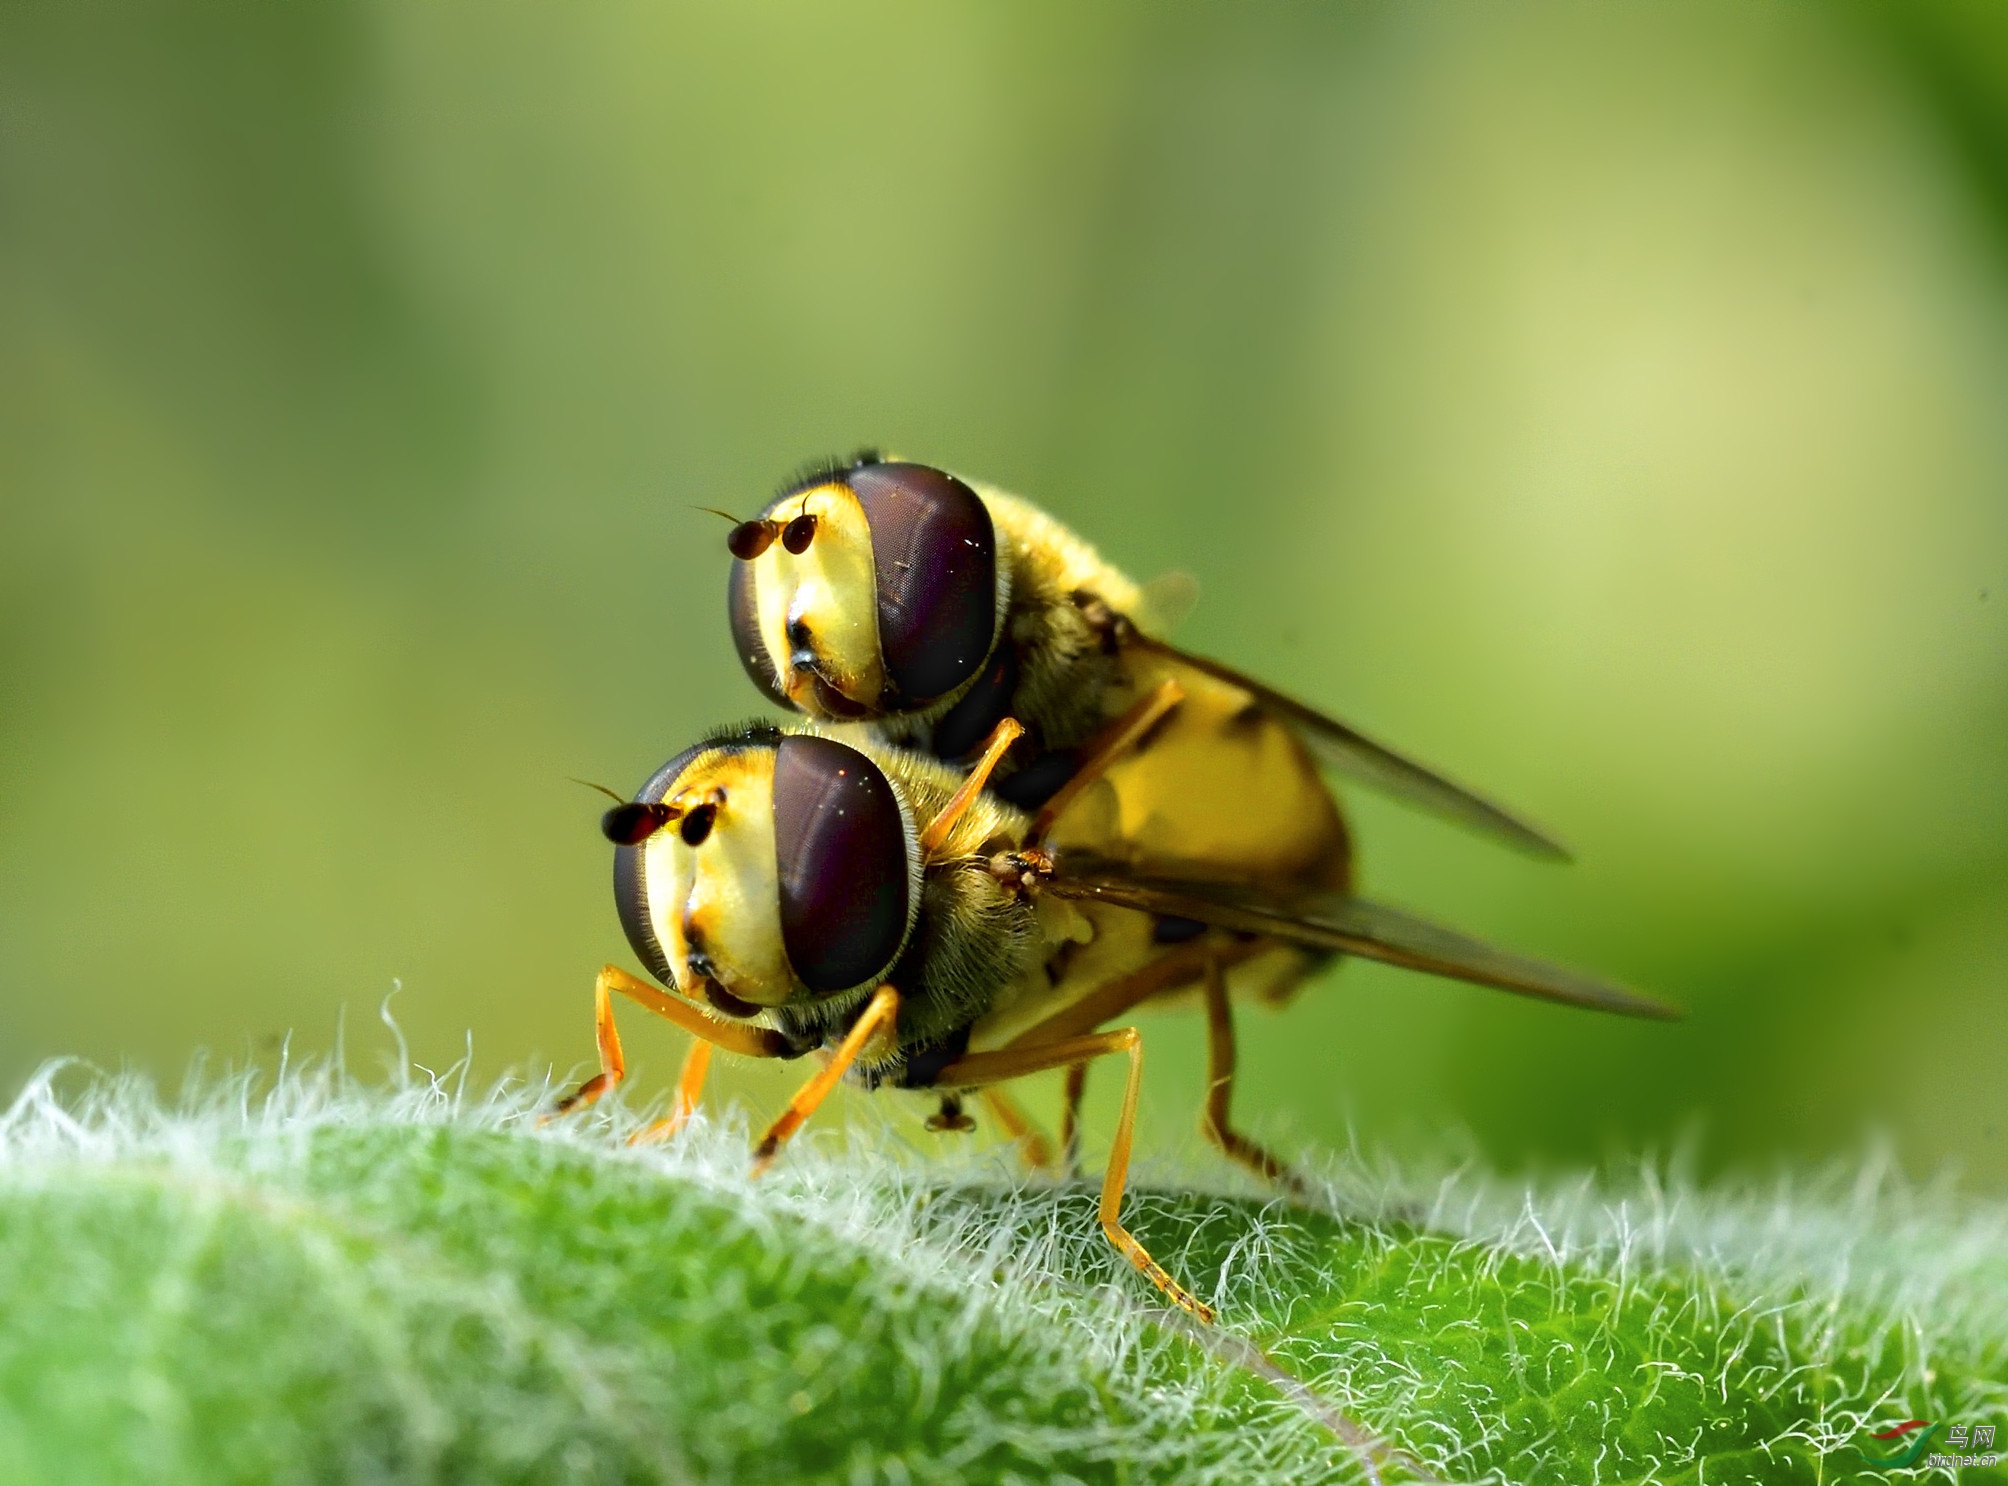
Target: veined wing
{"x":1350,"y":752}
{"x":1350,"y":925}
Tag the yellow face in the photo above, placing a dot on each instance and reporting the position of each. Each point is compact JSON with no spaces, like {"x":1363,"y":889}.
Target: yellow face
{"x":716,"y":906}
{"x":817,"y":610}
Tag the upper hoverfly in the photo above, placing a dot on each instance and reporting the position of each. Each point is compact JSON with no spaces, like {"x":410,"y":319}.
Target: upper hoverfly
{"x":927,"y":608}
{"x":904,"y":604}
{"x":794,"y":893}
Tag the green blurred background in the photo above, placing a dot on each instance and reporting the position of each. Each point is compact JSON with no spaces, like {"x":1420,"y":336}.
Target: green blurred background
{"x":1607,"y":404}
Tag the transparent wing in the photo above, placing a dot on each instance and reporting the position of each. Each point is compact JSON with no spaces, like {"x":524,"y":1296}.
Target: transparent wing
{"x":1350,"y":925}
{"x":1352,"y":753}
{"x":1166,"y":600}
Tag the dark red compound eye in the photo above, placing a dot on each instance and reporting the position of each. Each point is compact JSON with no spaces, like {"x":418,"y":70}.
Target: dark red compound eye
{"x":934,"y":552}
{"x":841,"y":847}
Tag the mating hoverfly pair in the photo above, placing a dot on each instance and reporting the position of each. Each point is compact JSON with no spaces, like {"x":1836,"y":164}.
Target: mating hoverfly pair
{"x":1014,"y":814}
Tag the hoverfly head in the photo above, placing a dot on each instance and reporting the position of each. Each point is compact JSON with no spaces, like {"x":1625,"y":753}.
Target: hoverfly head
{"x":783,"y":868}
{"x":871,"y":588}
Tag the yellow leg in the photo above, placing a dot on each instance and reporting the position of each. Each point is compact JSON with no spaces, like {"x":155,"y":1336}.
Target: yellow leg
{"x":1007,"y":732}
{"x":1070,"y":1116}
{"x":1014,"y":1062}
{"x":1104,"y":749}
{"x":689,"y":1086}
{"x":878,"y":1017}
{"x":1031,"y":1141}
{"x":1213,"y":1120}
{"x":751,"y":1042}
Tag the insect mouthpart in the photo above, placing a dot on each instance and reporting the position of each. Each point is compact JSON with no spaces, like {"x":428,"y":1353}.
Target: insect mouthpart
{"x":724,"y":1001}
{"x":705,"y":969}
{"x":823,"y":697}
{"x":834,"y":703}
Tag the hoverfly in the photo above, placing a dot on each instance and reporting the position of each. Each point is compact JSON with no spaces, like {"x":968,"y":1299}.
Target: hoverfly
{"x":913,"y":607}
{"x":928,"y":608}
{"x":794,"y":893}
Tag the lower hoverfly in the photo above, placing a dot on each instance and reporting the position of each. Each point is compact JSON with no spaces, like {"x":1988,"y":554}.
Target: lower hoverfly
{"x":794,"y":893}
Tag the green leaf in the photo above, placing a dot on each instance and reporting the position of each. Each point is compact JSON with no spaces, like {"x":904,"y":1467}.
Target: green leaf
{"x":340,"y":1285}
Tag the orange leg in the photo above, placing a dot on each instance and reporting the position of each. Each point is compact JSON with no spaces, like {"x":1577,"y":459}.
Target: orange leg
{"x":613,"y":1065}
{"x":1001,"y":738}
{"x":1014,"y":1062}
{"x":690,"y":1083}
{"x":1032,"y":1142}
{"x":878,"y":1019}
{"x":689,"y":1086}
{"x":1213,"y":1120}
{"x":1107,"y":746}
{"x":751,"y":1042}
{"x":1070,"y":1116}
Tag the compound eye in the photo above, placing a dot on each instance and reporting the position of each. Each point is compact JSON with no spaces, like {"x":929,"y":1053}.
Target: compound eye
{"x":631,"y":862}
{"x":840,"y":844}
{"x":934,"y":553}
